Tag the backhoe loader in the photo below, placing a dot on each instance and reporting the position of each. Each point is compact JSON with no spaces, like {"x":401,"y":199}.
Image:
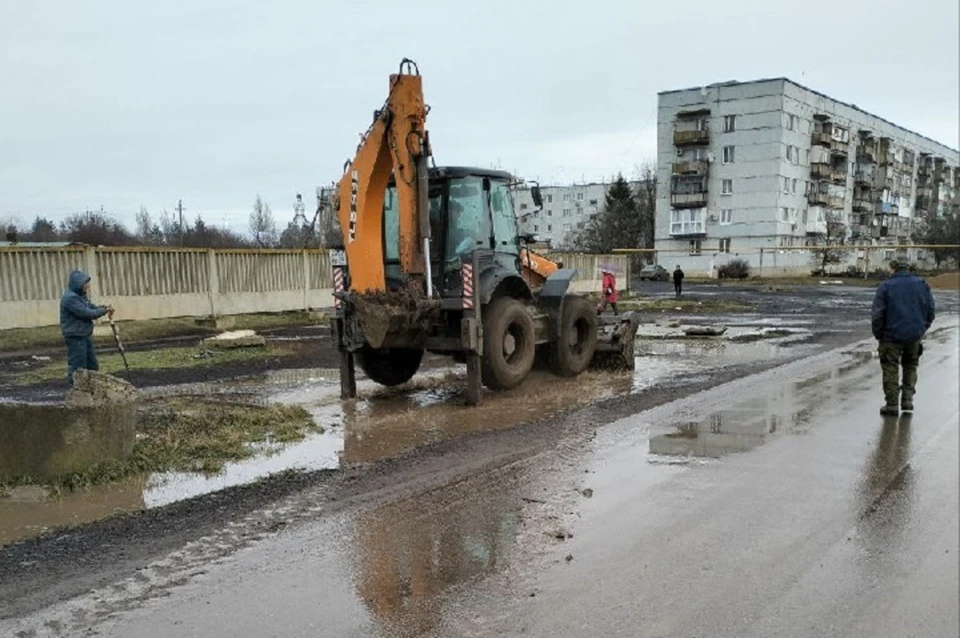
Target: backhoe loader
{"x":432,"y":261}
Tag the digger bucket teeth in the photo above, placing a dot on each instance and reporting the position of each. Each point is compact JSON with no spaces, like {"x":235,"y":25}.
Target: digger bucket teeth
{"x":615,"y":340}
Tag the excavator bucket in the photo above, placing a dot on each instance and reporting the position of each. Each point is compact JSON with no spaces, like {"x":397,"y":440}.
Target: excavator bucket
{"x":615,"y":339}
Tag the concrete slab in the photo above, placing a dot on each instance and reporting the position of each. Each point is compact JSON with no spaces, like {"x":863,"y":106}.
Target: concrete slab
{"x":235,"y":339}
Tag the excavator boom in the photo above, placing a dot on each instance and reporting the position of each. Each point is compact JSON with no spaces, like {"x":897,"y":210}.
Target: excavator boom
{"x":395,"y":144}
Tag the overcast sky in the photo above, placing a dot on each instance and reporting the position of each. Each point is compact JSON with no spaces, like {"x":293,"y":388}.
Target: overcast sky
{"x":124,"y":103}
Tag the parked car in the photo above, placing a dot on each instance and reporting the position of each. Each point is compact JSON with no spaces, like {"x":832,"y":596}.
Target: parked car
{"x":654,"y":272}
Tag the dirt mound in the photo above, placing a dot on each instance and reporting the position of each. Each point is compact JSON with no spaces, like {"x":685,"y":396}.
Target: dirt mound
{"x":92,"y":389}
{"x":946,"y":281}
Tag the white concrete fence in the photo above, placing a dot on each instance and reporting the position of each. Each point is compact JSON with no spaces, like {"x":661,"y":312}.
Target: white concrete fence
{"x":156,"y":283}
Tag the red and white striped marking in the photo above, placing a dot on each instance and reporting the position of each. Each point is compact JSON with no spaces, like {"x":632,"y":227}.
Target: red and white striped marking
{"x":337,"y":284}
{"x":466,"y":274}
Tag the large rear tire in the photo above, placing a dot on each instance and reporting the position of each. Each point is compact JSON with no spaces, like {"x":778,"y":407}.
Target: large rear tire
{"x":509,"y":344}
{"x":389,"y":366}
{"x":573,"y":351}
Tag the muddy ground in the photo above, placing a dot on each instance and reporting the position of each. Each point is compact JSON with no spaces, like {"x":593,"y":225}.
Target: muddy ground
{"x":61,"y":564}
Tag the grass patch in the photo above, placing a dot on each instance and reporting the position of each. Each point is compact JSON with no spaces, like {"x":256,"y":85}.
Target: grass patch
{"x":159,"y":359}
{"x":192,"y":435}
{"x":130,"y":331}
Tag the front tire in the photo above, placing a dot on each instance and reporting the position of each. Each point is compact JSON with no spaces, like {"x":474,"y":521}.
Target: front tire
{"x":389,"y":366}
{"x":509,"y":344}
{"x":577,"y":341}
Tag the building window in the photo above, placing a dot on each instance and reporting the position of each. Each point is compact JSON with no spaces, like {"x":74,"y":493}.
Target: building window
{"x":567,"y":212}
{"x":793,"y":154}
{"x":566,"y":197}
{"x":726,"y":187}
{"x":694,"y":246}
{"x":793,"y":186}
{"x":536,"y":227}
{"x":728,"y":155}
{"x":784,"y":214}
{"x":523,"y":207}
{"x":791,"y":122}
{"x":687,"y":221}
{"x":785,"y":181}
{"x":536,"y":214}
{"x":549,"y":227}
{"x":729,"y":123}
{"x":549,"y":213}
{"x":549,"y":199}
{"x":593,"y":202}
{"x":726,"y":216}
{"x":579,"y":197}
{"x":725,"y":245}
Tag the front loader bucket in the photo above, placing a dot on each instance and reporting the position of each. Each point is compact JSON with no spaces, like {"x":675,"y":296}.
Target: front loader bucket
{"x":615,"y":337}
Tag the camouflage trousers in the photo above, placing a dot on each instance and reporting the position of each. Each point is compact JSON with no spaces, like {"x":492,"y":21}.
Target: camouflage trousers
{"x":893,"y":356}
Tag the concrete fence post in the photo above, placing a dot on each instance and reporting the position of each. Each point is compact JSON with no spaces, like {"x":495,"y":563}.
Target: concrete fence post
{"x":306,"y":279}
{"x":213,"y":276}
{"x":90,"y":267}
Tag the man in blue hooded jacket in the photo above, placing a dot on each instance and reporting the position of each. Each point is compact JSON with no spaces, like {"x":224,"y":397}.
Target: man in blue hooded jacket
{"x":77,"y":314}
{"x":903,"y":310}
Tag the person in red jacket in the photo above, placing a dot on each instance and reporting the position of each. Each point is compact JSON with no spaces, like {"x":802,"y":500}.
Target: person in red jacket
{"x":610,"y":294}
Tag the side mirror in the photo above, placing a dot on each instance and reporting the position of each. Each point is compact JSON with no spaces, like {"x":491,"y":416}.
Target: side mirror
{"x":535,"y":194}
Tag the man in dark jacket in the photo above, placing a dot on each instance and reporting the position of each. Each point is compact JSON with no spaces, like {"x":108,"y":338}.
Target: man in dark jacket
{"x":77,"y":314}
{"x":678,"y":281}
{"x":903,"y":310}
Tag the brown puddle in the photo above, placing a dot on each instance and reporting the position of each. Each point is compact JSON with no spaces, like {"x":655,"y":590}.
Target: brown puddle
{"x":31,"y":510}
{"x":409,"y":552}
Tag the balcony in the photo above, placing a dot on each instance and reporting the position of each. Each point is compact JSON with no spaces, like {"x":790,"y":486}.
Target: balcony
{"x":923,"y":203}
{"x":839,"y":148}
{"x":886,"y":208}
{"x":819,"y":138}
{"x":866,"y":156}
{"x":820,"y":170}
{"x":817,"y":228}
{"x":835,"y":202}
{"x":688,"y":200}
{"x":864,"y":176}
{"x":838,"y":176}
{"x":818,"y":196}
{"x":691,"y":138}
{"x":863,"y":203}
{"x":691,"y":168}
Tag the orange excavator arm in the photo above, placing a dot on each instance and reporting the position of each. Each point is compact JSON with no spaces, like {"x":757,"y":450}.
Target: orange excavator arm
{"x":396,"y":143}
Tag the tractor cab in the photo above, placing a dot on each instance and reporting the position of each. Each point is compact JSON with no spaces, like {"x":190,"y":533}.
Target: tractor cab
{"x":470,"y":209}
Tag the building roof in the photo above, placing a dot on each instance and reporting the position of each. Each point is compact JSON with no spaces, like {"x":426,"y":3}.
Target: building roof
{"x":729,"y":83}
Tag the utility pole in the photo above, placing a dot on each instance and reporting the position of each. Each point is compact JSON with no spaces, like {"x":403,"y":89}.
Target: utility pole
{"x":180,"y":214}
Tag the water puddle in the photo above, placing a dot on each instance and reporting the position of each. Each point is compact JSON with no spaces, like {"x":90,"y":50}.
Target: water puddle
{"x":753,"y":421}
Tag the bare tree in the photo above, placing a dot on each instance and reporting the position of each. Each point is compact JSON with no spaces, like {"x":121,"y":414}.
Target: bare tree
{"x":144,"y":225}
{"x":942,"y":229}
{"x":263,"y":228}
{"x":831,"y":246}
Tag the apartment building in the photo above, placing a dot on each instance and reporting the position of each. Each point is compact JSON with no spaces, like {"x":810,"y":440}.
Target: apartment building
{"x":565,"y":208}
{"x":760,"y":170}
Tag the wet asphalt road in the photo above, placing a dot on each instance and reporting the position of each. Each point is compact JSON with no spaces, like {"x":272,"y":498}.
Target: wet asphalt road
{"x":779,"y":504}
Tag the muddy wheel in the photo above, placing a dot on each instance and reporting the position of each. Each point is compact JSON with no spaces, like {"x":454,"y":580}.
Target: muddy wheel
{"x":389,"y":366}
{"x":573,"y":350}
{"x":509,"y":344}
